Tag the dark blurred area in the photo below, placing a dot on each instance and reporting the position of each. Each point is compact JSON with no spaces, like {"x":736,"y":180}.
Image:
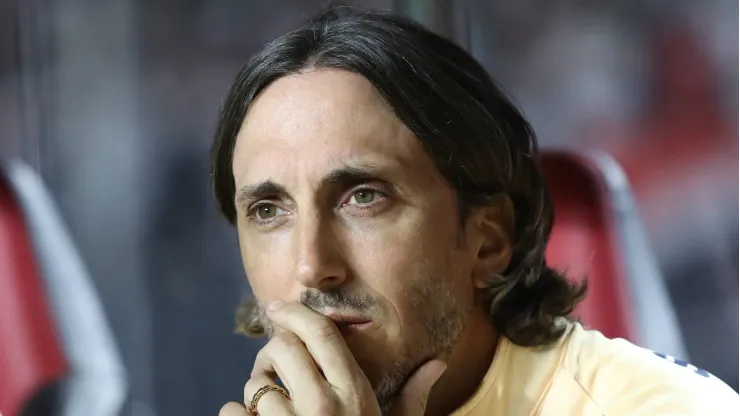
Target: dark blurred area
{"x":114,"y":102}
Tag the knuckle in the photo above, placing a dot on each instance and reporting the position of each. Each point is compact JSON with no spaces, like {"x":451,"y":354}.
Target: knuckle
{"x":326,"y":330}
{"x":264,"y":356}
{"x":286,"y":341}
{"x":324,"y":406}
{"x":252,"y":384}
{"x":355,"y":397}
{"x":251,"y":387}
{"x":248,"y":388}
{"x":261,"y":354}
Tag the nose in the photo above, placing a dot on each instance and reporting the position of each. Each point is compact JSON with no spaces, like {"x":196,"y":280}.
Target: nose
{"x":319,"y":263}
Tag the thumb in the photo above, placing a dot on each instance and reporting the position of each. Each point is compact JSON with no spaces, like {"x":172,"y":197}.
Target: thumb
{"x":413,"y":398}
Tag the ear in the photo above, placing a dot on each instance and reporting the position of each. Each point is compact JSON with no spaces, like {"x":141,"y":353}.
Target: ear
{"x":494,"y":226}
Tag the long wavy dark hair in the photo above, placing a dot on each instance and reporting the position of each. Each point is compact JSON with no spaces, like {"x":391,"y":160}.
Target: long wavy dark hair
{"x":480,"y":142}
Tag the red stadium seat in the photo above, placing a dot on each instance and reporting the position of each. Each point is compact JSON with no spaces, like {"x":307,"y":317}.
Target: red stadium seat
{"x":598,"y":235}
{"x":582,"y":242}
{"x":31,"y":357}
{"x":57,"y":352}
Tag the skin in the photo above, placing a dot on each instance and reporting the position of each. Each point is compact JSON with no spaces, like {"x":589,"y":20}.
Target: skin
{"x":340,"y":210}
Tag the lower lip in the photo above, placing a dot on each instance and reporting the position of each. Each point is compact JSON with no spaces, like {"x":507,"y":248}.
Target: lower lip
{"x":353,"y":328}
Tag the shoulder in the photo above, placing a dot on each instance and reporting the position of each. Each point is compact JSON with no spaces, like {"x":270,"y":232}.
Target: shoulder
{"x":622,"y":378}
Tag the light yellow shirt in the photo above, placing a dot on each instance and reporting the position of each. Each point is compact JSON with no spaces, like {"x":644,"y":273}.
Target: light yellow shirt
{"x":585,"y":373}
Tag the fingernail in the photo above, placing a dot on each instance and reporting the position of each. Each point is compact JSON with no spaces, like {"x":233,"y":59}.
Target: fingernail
{"x":444,"y":357}
{"x":275,"y":305}
{"x":441,"y":372}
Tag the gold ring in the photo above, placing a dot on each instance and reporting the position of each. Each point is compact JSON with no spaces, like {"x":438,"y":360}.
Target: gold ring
{"x":261,"y":392}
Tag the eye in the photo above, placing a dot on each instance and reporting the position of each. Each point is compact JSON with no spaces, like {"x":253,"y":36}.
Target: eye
{"x":363,"y":196}
{"x":267,"y":211}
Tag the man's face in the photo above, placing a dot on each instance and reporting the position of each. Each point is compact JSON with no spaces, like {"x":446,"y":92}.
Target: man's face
{"x":340,"y":207}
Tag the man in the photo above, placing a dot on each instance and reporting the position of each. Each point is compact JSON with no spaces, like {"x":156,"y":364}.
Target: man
{"x":392,"y":222}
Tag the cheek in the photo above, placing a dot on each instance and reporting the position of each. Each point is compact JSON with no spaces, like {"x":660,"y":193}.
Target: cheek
{"x":394,"y":259}
{"x":266,"y":267}
{"x":383,"y":256}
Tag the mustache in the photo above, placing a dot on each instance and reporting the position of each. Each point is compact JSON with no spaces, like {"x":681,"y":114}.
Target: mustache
{"x":251,"y":319}
{"x":338,"y":299}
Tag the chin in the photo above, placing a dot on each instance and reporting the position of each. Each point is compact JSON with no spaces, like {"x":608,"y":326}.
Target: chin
{"x":387,"y":369}
{"x":375,"y":360}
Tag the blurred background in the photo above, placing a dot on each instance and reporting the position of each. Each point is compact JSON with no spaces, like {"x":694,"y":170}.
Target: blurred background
{"x":114,"y":102}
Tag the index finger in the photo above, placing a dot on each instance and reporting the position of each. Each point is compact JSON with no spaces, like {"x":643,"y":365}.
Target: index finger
{"x":322,"y":339}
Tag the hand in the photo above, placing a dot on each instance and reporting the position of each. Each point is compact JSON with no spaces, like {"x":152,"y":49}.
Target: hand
{"x":318,"y":369}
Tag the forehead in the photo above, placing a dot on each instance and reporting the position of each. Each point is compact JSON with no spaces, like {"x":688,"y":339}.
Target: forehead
{"x":306,"y":124}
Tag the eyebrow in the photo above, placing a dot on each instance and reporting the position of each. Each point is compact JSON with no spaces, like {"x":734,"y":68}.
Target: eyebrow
{"x":350,"y":175}
{"x":250,"y":193}
{"x":343,"y":177}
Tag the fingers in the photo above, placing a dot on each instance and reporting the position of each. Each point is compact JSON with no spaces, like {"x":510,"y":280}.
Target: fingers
{"x":287,"y":356}
{"x":272,"y":403}
{"x":233,"y":409}
{"x":413,"y":398}
{"x":322,"y":339}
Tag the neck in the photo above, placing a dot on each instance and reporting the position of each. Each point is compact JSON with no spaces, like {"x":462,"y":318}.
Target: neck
{"x":469,"y":361}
